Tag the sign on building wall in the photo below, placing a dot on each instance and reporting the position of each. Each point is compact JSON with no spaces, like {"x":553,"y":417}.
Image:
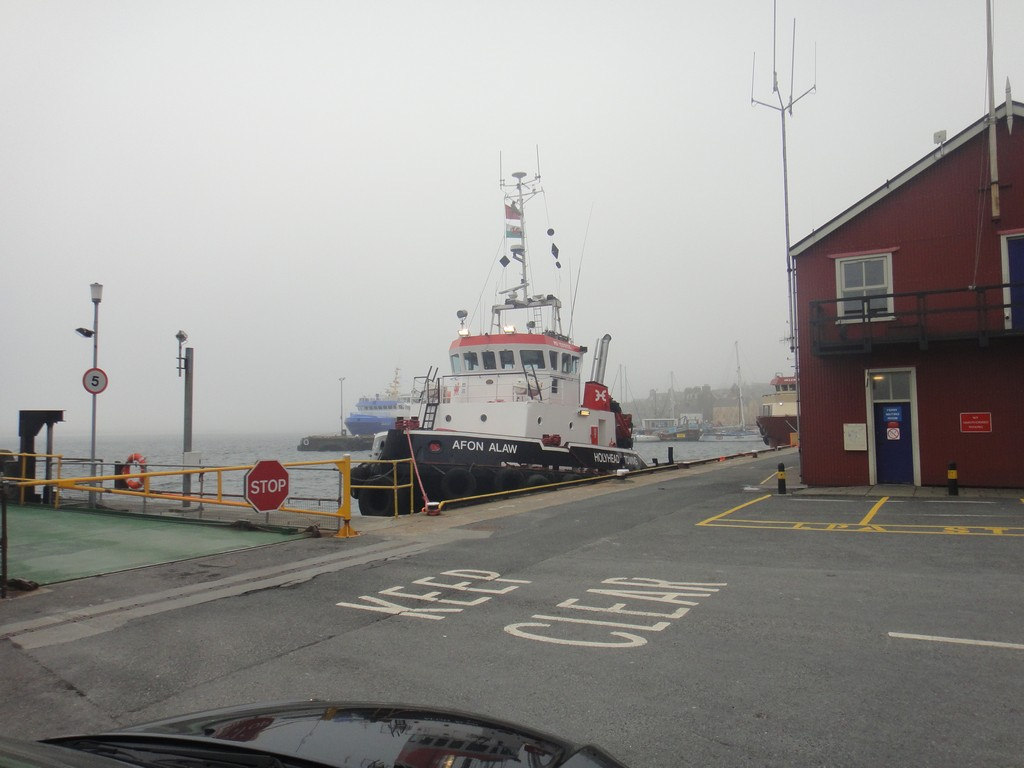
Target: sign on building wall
{"x":976,"y":422}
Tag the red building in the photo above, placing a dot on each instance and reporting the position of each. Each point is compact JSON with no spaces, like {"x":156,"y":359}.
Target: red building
{"x":910,"y":310}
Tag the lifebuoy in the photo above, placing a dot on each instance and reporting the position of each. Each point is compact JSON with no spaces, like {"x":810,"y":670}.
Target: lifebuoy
{"x":136,"y":460}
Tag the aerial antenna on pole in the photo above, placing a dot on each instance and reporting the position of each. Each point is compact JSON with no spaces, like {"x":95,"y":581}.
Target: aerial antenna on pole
{"x":782,"y":107}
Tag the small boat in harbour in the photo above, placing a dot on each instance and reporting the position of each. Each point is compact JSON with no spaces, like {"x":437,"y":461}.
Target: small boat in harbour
{"x":739,"y":433}
{"x":512,"y":411}
{"x":777,"y":421}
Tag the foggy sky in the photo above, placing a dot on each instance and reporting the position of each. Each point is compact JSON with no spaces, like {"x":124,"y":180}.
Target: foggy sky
{"x":310,"y":189}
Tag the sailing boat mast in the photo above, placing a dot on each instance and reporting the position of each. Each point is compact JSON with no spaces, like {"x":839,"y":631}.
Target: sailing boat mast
{"x":739,"y":385}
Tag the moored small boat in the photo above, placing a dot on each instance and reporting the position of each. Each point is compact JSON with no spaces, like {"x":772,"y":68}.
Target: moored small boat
{"x":777,"y":421}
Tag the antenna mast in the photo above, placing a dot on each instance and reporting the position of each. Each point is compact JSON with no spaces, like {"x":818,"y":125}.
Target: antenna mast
{"x":782,"y":108}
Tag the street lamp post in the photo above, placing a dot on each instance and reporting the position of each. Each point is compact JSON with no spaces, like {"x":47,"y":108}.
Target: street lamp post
{"x":185,"y":365}
{"x":96,"y":292}
{"x":342,"y":382}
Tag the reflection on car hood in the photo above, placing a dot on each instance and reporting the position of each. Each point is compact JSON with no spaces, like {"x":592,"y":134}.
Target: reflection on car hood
{"x":345,"y":734}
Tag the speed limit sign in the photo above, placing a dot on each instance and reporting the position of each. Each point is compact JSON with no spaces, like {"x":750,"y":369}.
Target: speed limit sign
{"x":94,"y":380}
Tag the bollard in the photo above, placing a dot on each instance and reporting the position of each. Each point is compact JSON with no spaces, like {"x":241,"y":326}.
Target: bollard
{"x":951,"y":479}
{"x":781,"y":474}
{"x":670,"y":459}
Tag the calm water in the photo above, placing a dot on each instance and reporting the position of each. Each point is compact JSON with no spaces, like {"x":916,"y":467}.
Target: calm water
{"x":310,"y":485}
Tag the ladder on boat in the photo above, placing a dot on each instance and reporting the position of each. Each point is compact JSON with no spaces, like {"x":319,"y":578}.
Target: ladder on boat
{"x":432,"y":393}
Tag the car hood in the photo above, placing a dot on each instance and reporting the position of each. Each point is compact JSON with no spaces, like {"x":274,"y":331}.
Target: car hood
{"x":347,"y":734}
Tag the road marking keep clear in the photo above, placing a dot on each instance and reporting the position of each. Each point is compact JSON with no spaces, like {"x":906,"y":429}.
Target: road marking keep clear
{"x":590,"y":631}
{"x":458,"y":582}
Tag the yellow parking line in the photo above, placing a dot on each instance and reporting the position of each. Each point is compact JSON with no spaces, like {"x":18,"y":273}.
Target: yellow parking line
{"x":874,"y":509}
{"x":734,"y":509}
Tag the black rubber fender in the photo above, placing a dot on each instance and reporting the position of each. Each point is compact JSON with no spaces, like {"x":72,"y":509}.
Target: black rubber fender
{"x":509,"y":479}
{"x":458,"y":483}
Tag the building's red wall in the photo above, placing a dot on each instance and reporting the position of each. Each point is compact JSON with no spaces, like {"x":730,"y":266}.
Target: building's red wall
{"x":933,"y":221}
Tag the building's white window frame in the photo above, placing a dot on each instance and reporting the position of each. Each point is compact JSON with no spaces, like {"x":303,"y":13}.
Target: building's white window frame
{"x":875,"y":313}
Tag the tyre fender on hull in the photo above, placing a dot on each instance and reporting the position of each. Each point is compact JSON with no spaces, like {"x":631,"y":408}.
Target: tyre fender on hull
{"x":509,"y":479}
{"x":458,"y":483}
{"x":380,"y":502}
{"x":537,"y":479}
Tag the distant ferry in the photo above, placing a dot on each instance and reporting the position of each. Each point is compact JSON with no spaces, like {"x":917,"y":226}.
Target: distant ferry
{"x":378,"y":414}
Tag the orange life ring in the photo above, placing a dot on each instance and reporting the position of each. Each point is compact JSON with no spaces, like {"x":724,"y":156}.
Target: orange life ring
{"x":138,"y":460}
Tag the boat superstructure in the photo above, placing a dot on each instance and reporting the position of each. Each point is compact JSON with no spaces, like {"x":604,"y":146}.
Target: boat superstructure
{"x":512,"y":408}
{"x":777,"y":420}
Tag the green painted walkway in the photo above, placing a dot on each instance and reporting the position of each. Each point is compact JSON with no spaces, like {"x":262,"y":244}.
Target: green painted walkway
{"x":51,"y":545}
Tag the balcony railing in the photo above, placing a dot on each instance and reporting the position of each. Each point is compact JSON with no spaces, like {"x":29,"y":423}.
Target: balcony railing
{"x":852,"y":326}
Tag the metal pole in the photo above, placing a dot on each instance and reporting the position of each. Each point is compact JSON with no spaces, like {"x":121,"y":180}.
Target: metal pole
{"x":341,"y":381}
{"x":3,"y":536}
{"x":186,"y":446}
{"x":95,"y":364}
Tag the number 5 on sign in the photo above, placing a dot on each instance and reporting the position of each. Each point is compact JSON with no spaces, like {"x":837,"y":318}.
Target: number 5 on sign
{"x":94,"y":381}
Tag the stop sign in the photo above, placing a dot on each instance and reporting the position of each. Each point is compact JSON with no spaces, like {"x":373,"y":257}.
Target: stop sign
{"x":266,"y":486}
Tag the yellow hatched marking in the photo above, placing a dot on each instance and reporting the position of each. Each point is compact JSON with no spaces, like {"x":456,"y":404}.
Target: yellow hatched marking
{"x":942,"y":530}
{"x":874,"y":510}
{"x":711,"y":520}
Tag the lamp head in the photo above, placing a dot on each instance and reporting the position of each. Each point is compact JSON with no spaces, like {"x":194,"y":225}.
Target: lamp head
{"x":86,"y":332}
{"x":96,"y":289}
{"x":181,"y":336}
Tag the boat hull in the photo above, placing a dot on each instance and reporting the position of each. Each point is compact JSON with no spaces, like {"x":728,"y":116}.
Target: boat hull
{"x":337,"y":443}
{"x":456,"y":465}
{"x":777,"y":431}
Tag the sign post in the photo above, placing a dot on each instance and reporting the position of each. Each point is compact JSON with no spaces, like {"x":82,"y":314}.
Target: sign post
{"x":94,"y":380}
{"x":266,"y":486}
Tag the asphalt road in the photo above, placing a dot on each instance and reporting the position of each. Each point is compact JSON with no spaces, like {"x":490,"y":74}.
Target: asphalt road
{"x":689,"y":618}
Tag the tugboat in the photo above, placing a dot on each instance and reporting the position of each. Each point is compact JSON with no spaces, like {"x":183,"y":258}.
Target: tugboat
{"x":510,"y":413}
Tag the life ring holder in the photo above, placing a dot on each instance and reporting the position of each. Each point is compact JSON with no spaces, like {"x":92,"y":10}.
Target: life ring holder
{"x":136,"y":460}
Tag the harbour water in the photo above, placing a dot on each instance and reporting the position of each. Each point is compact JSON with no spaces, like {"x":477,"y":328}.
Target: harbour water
{"x":315,"y":485}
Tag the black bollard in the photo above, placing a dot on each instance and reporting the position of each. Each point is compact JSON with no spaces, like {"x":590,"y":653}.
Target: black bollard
{"x":670,"y":460}
{"x":951,"y":479}
{"x":781,"y":474}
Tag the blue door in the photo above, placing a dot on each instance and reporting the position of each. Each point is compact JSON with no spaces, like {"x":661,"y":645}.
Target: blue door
{"x":1015,"y":270}
{"x":894,"y":448}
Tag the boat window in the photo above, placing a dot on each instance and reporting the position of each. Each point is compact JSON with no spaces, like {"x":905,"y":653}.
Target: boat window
{"x":553,"y":358}
{"x":508,"y":360}
{"x":456,"y":364}
{"x":488,"y":358}
{"x":534,"y":357}
{"x":570,"y":363}
{"x":471,"y":360}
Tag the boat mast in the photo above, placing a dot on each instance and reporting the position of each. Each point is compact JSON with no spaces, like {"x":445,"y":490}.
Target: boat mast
{"x":739,"y":385}
{"x":517,"y":194}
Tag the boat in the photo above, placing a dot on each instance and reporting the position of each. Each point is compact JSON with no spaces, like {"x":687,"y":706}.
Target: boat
{"x":377,"y":414}
{"x":739,"y":433}
{"x":335,"y":443}
{"x":512,"y":411}
{"x":688,"y":428}
{"x":777,"y":422}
